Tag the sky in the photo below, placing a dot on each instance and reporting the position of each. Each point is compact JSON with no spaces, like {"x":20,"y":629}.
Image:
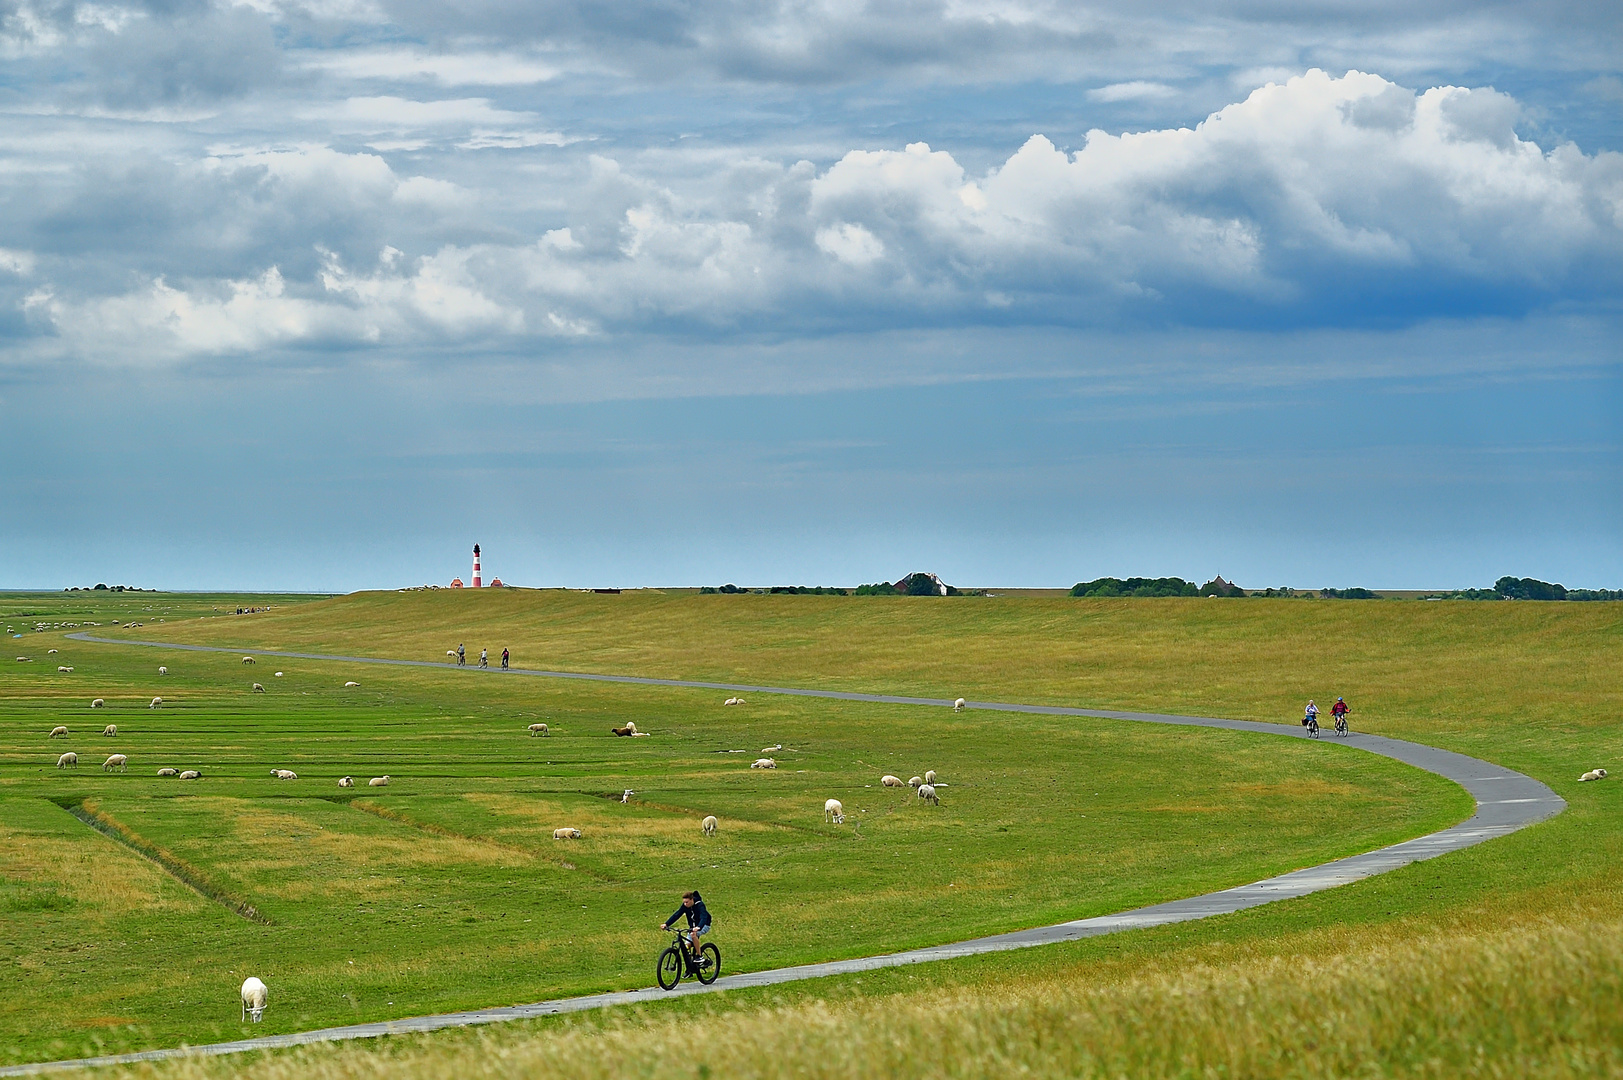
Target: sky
{"x":316,"y":295}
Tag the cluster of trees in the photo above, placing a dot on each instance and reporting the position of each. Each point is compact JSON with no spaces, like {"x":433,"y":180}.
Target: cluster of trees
{"x":1161,"y":586}
{"x":911,"y":585}
{"x":109,"y":588}
{"x":1515,"y":588}
{"x":781,"y":590}
{"x":1347,"y":594}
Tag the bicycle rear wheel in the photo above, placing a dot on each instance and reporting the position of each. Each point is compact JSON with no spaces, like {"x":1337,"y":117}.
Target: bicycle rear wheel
{"x":669,"y":969}
{"x":709,"y":971}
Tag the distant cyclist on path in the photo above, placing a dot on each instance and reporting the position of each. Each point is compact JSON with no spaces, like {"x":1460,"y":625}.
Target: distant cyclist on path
{"x":1339,"y":710}
{"x":504,"y":659}
{"x":1312,"y":714}
{"x":461,"y":656}
{"x":698,"y":917}
{"x":484,"y":657}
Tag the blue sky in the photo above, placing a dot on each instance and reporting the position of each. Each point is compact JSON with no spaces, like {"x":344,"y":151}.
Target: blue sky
{"x":316,"y":295}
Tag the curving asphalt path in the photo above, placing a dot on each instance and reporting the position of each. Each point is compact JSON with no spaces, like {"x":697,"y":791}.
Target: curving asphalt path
{"x":1505,"y":802}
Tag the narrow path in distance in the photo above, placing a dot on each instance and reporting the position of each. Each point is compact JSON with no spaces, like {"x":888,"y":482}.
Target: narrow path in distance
{"x":1505,"y":802}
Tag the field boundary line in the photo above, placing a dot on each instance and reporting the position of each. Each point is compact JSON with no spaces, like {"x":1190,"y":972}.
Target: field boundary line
{"x":1506,"y":801}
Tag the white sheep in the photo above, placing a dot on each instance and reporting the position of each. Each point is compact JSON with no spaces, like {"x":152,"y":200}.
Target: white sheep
{"x":278,"y":674}
{"x":733,"y":701}
{"x":163,"y":671}
{"x":958,"y":706}
{"x":450,"y":652}
{"x":927,"y":793}
{"x":64,"y":670}
{"x":915,"y":781}
{"x":191,"y":774}
{"x":157,"y":701}
{"x":168,"y":772}
{"x":346,"y":781}
{"x":350,"y":684}
{"x":771,"y":749}
{"x":929,"y":776}
{"x":254,"y":996}
{"x":566,"y":834}
{"x":378,"y":781}
{"x":892,"y":781}
{"x":709,"y":825}
{"x":1592,"y":774}
{"x":247,"y":660}
{"x":97,"y":703}
{"x":116,"y":761}
{"x":284,"y":774}
{"x":258,"y":689}
{"x":110,"y":730}
{"x":60,"y":731}
{"x":834,"y":810}
{"x":537,"y":729}
{"x":23,"y":660}
{"x":68,"y":760}
{"x":50,"y":652}
{"x":763,"y":763}
{"x":625,"y":796}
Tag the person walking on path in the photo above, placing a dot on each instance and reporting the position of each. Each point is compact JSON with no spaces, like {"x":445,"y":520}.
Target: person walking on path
{"x":484,"y":657}
{"x":504,"y":659}
{"x":461,"y":656}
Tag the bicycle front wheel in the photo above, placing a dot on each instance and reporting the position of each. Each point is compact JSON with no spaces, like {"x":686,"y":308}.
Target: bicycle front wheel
{"x":669,"y":969}
{"x":709,"y":963}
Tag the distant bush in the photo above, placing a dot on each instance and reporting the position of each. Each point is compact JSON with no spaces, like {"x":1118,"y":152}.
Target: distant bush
{"x":804,"y":590}
{"x":1135,"y":586}
{"x":883,"y":588}
{"x":1347,"y":594}
{"x":731,"y":589}
{"x":708,"y":590}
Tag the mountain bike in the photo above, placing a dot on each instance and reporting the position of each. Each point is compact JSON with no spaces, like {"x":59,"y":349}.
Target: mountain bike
{"x":678,"y":960}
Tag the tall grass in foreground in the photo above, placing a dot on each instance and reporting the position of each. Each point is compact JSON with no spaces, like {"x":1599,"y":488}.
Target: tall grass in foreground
{"x":1542,"y":1001}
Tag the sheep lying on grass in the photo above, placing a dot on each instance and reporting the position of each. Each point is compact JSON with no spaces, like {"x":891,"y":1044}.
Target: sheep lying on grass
{"x":892,"y":781}
{"x":60,"y":731}
{"x":23,"y":660}
{"x":763,"y":763}
{"x":350,"y":684}
{"x":278,"y":674}
{"x":834,"y":810}
{"x":116,"y":761}
{"x":709,"y":825}
{"x":50,"y":652}
{"x":284,"y":774}
{"x":110,"y":730}
{"x":378,"y":781}
{"x":958,"y":706}
{"x":346,"y":781}
{"x":254,"y":996}
{"x":191,"y":774}
{"x":64,"y":670}
{"x":1592,"y":774}
{"x":537,"y":729}
{"x":733,"y":701}
{"x":69,"y":760}
{"x":927,"y":793}
{"x":168,"y":772}
{"x":97,"y":703}
{"x":566,"y":834}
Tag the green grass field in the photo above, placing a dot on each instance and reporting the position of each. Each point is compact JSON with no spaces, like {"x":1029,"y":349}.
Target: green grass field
{"x":414,"y":899}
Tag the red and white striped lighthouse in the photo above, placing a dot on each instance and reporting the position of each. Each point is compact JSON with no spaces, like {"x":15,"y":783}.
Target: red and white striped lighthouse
{"x":476,"y":582}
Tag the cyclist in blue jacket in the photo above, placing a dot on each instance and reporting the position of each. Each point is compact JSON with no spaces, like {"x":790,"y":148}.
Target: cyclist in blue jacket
{"x":698,"y":917}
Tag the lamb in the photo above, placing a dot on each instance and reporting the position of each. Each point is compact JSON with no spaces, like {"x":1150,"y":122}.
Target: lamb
{"x":168,"y":772}
{"x":254,"y":995}
{"x":350,"y":684}
{"x":834,"y":811}
{"x":958,"y":706}
{"x":157,"y":701}
{"x":68,"y":760}
{"x":915,"y":781}
{"x":60,"y":731}
{"x":116,"y":761}
{"x":98,"y":703}
{"x":258,"y":689}
{"x":110,"y":730}
{"x":284,"y":774}
{"x":378,"y":781}
{"x":709,"y":825}
{"x":1592,"y":774}
{"x":247,"y":660}
{"x":537,"y":730}
{"x":566,"y":834}
{"x":191,"y":774}
{"x":929,"y":776}
{"x":764,"y":763}
{"x":163,"y":671}
{"x":927,"y":793}
{"x":891,"y":781}
{"x":346,"y":781}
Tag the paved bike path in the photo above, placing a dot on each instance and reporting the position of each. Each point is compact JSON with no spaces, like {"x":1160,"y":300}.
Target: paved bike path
{"x":1505,"y":802}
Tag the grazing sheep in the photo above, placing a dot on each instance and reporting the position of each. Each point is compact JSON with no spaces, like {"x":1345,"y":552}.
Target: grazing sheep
{"x":157,"y":701}
{"x":110,"y":730}
{"x":98,"y":703}
{"x":915,"y":781}
{"x":566,"y":834}
{"x":450,"y":652}
{"x":927,"y":793}
{"x":537,"y":729}
{"x":929,"y":776}
{"x":892,"y":781}
{"x":258,"y":689}
{"x":168,"y":772}
{"x":254,"y":995}
{"x":284,"y":774}
{"x":191,"y":774}
{"x":247,"y":660}
{"x":958,"y":706}
{"x":68,"y":760}
{"x":278,"y":674}
{"x":834,"y":810}
{"x":116,"y":761}
{"x":378,"y":781}
{"x":346,"y":781}
{"x":60,"y":731}
{"x":709,"y":825}
{"x":350,"y":684}
{"x":1592,"y":774}
{"x":163,"y":671}
{"x":763,"y":763}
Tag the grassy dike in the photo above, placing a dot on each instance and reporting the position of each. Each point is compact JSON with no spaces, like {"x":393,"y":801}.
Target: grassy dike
{"x":1530,"y":685}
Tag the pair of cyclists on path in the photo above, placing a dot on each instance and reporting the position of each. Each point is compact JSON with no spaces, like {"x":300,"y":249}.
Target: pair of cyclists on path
{"x":1339,"y":710}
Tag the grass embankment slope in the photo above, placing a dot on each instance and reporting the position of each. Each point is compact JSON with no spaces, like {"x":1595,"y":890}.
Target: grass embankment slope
{"x":445,"y":890}
{"x":1502,"y":960}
